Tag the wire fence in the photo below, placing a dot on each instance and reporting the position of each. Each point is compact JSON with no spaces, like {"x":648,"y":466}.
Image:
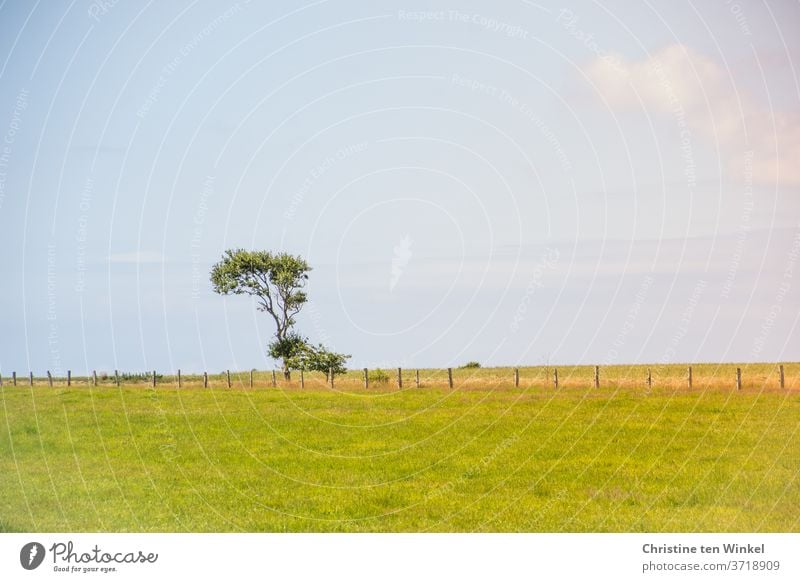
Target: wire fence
{"x":674,"y":376}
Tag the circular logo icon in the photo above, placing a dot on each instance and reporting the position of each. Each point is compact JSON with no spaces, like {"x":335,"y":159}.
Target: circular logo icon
{"x":31,"y":555}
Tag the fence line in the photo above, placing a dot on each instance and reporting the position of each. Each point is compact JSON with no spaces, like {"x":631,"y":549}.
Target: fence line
{"x":92,"y":379}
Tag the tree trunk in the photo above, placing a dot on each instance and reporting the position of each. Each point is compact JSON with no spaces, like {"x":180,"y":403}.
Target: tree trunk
{"x":287,"y":374}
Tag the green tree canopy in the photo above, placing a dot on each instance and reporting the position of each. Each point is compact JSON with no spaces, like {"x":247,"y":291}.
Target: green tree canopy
{"x":316,"y":359}
{"x":277,"y":282}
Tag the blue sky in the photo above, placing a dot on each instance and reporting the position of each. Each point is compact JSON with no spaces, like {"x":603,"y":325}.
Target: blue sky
{"x":514,"y":184}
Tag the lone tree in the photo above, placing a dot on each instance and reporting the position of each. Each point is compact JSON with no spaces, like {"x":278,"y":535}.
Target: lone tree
{"x":276,"y":281}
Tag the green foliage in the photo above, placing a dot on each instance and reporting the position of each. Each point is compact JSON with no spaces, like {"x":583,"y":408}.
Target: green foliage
{"x":472,"y":365}
{"x":276,"y":281}
{"x":304,"y":356}
{"x":323,"y":360}
{"x":378,"y":376}
{"x":290,"y":349}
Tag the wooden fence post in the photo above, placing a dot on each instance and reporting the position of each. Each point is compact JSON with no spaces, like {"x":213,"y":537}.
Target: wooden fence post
{"x":781,"y":372}
{"x":450,"y":377}
{"x":274,"y":379}
{"x":49,"y":378}
{"x":69,"y":377}
{"x":31,"y":378}
{"x":689,"y":377}
{"x":330,"y":373}
{"x":516,"y":377}
{"x":94,"y":377}
{"x":251,"y":378}
{"x":14,"y":375}
{"x":555,"y":378}
{"x":302,"y":379}
{"x":399,"y":377}
{"x":154,"y":378}
{"x":649,"y":379}
{"x":179,"y":377}
{"x":738,"y":378}
{"x":205,"y":379}
{"x":597,"y":376}
{"x":366,"y":378}
{"x":416,"y":375}
{"x":228,"y":375}
{"x":116,"y":377}
{"x":1,"y":379}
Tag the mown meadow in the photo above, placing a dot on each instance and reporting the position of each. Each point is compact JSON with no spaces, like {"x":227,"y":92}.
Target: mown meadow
{"x":484,"y":456}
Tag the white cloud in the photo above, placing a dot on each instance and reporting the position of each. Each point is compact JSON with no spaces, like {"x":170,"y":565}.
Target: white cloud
{"x":697,"y":90}
{"x":137,"y":257}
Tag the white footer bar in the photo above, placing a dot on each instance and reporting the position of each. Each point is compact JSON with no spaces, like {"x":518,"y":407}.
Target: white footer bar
{"x":388,"y":557}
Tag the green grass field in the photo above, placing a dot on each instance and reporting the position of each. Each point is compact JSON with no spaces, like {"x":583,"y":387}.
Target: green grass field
{"x":485,"y":456}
